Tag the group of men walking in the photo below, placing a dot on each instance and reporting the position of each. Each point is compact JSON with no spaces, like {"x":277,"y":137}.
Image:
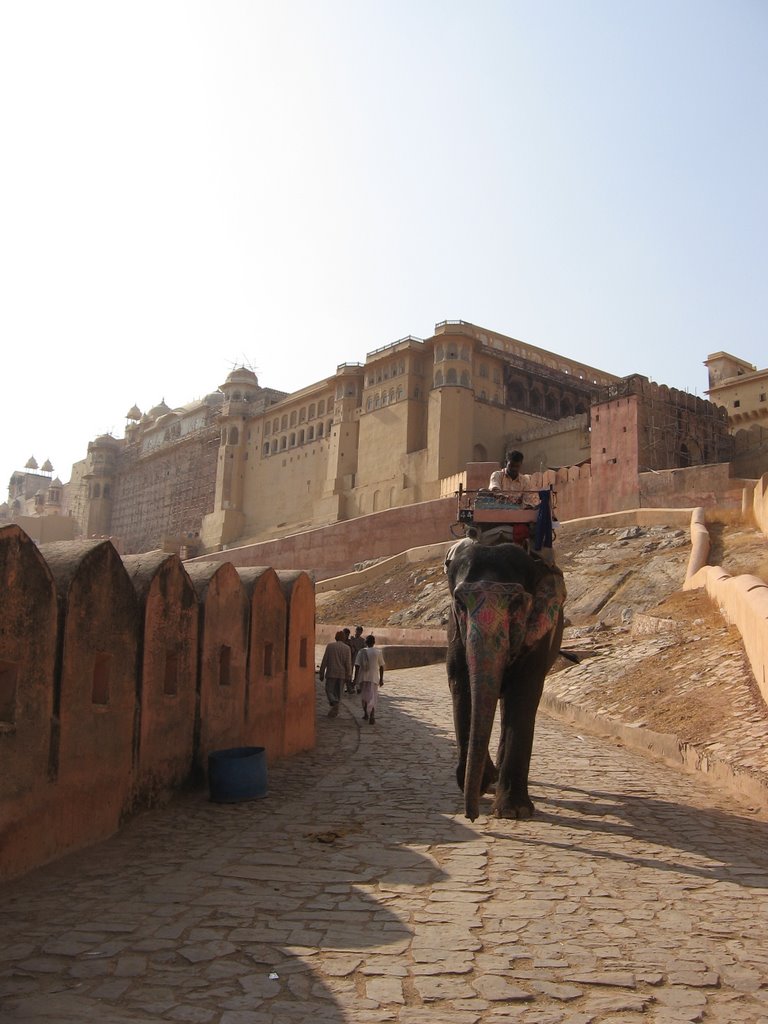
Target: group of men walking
{"x":355,"y":665}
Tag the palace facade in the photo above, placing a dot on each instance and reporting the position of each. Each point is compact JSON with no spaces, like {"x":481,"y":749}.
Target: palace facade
{"x":249,"y":463}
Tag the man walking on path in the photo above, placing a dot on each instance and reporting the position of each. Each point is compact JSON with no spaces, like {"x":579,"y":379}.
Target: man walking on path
{"x":369,"y":676}
{"x":336,"y":670}
{"x":356,"y":644}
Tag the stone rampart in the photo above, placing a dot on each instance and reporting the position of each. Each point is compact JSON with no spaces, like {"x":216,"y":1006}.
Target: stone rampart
{"x":760,"y":503}
{"x":119,"y":676}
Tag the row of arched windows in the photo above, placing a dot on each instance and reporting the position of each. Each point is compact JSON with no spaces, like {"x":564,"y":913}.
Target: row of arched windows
{"x":308,"y":412}
{"x":452,"y":351}
{"x":394,"y":369}
{"x":382,"y":398}
{"x":547,"y":404}
{"x":292,"y":440}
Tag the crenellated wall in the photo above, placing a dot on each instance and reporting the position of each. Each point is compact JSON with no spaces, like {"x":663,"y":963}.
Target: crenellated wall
{"x":119,"y":676}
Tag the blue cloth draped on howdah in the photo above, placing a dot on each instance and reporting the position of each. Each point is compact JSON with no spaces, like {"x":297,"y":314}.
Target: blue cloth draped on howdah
{"x":543,"y":537}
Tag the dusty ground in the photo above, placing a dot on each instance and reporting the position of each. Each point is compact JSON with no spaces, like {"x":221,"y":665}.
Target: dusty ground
{"x":621,"y":583}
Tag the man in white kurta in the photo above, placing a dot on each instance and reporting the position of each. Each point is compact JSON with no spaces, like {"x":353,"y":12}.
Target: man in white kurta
{"x":369,"y":676}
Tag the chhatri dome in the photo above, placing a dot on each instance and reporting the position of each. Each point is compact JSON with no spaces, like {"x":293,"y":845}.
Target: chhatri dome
{"x":134,"y":413}
{"x":159,"y":410}
{"x":241,"y":375}
{"x":31,"y":463}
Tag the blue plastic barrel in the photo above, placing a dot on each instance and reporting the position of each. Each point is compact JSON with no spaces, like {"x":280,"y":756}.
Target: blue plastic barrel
{"x":239,"y":773}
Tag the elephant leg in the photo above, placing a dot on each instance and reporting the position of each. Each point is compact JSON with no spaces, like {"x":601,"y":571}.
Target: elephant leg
{"x":458,"y":682}
{"x":519,"y":704}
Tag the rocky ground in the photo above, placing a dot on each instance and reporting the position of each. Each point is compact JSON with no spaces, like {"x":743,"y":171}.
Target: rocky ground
{"x":651,"y":654}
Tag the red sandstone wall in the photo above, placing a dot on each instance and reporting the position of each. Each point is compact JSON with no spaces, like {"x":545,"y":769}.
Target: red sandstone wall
{"x":27,"y":668}
{"x":95,"y":697}
{"x":333,"y":550}
{"x":168,"y":674}
{"x":299,"y":591}
{"x":222,"y":654}
{"x":265,"y":705}
{"x":582,"y":491}
{"x":86,"y":732}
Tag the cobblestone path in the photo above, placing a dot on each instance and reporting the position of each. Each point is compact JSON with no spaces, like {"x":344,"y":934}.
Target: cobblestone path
{"x":357,"y":892}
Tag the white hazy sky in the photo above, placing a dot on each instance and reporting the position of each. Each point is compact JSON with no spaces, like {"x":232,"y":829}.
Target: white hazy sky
{"x":186,"y":186}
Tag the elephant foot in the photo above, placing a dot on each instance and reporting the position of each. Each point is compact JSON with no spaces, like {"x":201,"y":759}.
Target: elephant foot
{"x":506,"y":807}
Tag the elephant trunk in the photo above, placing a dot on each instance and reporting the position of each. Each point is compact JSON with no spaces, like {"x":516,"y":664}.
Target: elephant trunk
{"x":492,"y":618}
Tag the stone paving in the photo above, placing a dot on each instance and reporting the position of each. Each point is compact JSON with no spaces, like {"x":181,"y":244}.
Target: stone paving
{"x":357,"y":891}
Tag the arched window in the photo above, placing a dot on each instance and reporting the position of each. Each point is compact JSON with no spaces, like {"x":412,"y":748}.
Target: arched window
{"x":292,"y":440}
{"x":283,"y":443}
{"x":311,"y":413}
{"x":566,"y":407}
{"x":274,"y":445}
{"x":275,"y":426}
{"x":438,"y":378}
{"x":369,"y":404}
{"x":267,"y":428}
{"x":463,"y":354}
{"x":234,"y":435}
{"x":319,"y":429}
{"x":96,"y":491}
{"x":400,"y":393}
{"x":484,"y":370}
{"x":301,"y":437}
{"x":376,"y":501}
{"x":391,"y":395}
{"x":384,"y":398}
{"x":479,"y":453}
{"x":439,"y":354}
{"x":450,"y":377}
{"x":321,"y":407}
{"x":106,"y":490}
{"x":265,"y":449}
{"x":580,"y":407}
{"x":328,"y":427}
{"x":551,"y":405}
{"x":464,"y":379}
{"x":310,"y":433}
{"x":377,"y":400}
{"x":223,"y":435}
{"x":236,"y":396}
{"x":284,"y":422}
{"x":302,"y":415}
{"x":535,"y":401}
{"x":293,"y":418}
{"x":515,"y":395}
{"x":450,"y":352}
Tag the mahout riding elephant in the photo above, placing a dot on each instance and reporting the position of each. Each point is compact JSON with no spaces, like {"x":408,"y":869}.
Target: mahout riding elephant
{"x":504,"y":635}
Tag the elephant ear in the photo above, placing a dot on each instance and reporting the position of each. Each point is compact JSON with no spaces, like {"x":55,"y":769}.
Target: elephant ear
{"x":548,"y":601}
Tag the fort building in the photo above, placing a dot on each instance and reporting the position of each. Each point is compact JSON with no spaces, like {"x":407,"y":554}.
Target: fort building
{"x":248,"y":463}
{"x":740,"y":387}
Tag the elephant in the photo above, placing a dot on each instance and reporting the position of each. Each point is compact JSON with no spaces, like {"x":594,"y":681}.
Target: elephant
{"x":504,"y":634}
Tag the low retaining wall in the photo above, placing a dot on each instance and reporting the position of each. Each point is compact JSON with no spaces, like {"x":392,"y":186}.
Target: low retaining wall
{"x":325,"y":632}
{"x":743,"y":600}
